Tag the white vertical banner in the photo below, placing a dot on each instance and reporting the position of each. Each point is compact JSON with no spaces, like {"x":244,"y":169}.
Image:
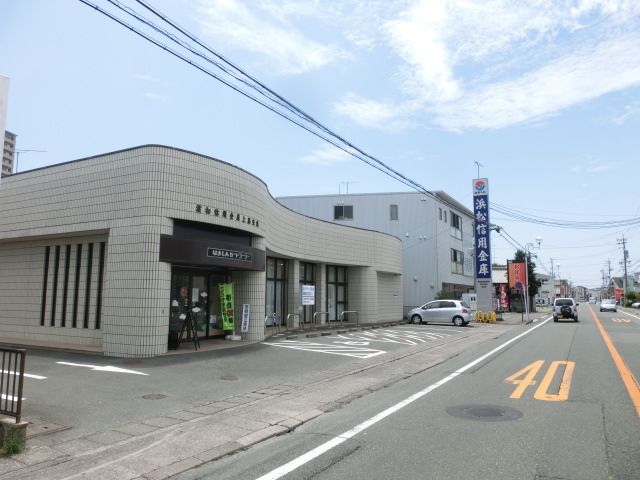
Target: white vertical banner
{"x":245,"y":318}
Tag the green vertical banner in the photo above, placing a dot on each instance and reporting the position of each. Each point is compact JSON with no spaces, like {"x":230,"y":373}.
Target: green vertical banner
{"x":226,"y":301}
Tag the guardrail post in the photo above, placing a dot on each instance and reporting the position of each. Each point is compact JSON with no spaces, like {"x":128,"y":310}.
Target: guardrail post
{"x":318,"y":313}
{"x":292,"y":315}
{"x":348,"y":312}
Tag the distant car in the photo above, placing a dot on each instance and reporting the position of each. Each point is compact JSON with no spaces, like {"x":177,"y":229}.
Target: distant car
{"x":442,"y":311}
{"x":635,"y":305}
{"x":608,"y":305}
{"x":565,"y":308}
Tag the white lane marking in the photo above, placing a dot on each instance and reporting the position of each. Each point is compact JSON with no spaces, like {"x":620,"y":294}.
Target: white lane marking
{"x":325,"y":447}
{"x":331,"y":349}
{"x":29,"y":375}
{"x":103,"y":369}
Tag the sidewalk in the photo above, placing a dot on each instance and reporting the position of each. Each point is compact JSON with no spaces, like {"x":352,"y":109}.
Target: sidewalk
{"x":159,"y":447}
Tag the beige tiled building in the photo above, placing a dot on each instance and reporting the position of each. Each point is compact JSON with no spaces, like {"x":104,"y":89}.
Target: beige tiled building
{"x":114,"y":252}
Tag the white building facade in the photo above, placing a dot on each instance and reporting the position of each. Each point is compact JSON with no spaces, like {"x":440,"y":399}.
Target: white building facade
{"x":436,"y":233}
{"x":111,"y":253}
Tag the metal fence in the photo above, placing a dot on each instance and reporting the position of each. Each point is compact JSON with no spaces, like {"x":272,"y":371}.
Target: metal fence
{"x":11,"y":382}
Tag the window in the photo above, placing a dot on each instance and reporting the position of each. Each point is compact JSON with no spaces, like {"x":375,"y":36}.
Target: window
{"x":445,"y":215}
{"x":343,"y":212}
{"x":393,"y":212}
{"x":337,"y":298}
{"x":440,"y":213}
{"x":457,"y":261}
{"x":456,"y":226}
{"x":276,"y":288}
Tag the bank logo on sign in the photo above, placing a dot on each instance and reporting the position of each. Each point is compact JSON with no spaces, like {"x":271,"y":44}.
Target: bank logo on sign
{"x":480,"y":186}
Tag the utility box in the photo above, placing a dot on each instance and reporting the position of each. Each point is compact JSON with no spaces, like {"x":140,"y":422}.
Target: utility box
{"x":471,"y":300}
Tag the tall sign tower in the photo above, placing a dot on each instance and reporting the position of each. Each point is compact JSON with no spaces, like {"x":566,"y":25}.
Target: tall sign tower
{"x":482,"y":246}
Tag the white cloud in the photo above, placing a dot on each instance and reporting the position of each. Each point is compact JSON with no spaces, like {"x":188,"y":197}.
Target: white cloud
{"x":373,"y":113}
{"x":263,"y":28}
{"x":326,"y":155}
{"x":498,"y":63}
{"x":630,"y":111}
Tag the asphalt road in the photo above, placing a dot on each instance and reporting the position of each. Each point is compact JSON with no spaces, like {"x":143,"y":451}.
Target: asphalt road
{"x":73,"y":394}
{"x":555,"y":403}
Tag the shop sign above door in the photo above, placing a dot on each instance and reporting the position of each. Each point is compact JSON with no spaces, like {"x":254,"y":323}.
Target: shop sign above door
{"x":231,"y":254}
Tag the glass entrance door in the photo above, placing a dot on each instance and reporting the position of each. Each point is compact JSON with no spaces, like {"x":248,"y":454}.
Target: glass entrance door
{"x":197,"y":294}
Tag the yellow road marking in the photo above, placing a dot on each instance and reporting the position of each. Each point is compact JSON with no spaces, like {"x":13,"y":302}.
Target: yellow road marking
{"x":563,"y":391}
{"x":528,"y":380}
{"x":627,"y":377}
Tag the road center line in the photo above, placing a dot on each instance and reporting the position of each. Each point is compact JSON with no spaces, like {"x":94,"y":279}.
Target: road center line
{"x":627,"y":377}
{"x":325,"y":447}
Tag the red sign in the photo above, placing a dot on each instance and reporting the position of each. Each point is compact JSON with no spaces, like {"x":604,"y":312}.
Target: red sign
{"x":504,"y":298}
{"x":517,"y":275}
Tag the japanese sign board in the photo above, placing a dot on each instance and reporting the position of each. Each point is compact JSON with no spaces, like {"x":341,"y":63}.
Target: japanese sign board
{"x":308,"y":294}
{"x":517,"y":275}
{"x":245,"y":318}
{"x":226,"y":303}
{"x":482,"y":247}
{"x":481,"y":217}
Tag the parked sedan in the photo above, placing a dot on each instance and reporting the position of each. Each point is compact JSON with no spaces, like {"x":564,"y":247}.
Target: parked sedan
{"x":442,"y":311}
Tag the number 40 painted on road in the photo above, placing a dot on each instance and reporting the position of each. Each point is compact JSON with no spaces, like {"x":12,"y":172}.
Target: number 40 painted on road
{"x":529,"y":373}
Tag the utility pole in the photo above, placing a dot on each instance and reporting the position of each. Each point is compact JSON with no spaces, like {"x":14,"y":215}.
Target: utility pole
{"x":625,"y":253}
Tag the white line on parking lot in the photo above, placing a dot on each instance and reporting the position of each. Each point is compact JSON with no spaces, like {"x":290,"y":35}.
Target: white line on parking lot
{"x":346,"y":350}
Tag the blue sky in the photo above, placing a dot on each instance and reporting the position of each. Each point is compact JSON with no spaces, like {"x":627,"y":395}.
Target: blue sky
{"x":544,"y":95}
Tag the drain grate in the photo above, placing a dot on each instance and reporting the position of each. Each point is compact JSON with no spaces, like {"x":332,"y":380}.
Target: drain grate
{"x":484,"y":413}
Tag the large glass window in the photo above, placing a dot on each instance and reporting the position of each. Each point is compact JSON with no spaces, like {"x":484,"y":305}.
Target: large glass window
{"x":337,"y":293}
{"x":276,"y":291}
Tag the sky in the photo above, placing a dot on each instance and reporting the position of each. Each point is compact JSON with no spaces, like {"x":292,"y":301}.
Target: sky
{"x":540,"y":97}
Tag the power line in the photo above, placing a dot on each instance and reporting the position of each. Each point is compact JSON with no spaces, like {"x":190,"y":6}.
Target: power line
{"x":305,"y":121}
{"x":550,"y":222}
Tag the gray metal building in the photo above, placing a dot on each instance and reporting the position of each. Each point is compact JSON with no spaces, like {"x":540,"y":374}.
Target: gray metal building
{"x":436,"y":233}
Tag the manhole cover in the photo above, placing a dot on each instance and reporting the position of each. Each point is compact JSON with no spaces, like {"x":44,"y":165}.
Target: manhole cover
{"x":154,"y":396}
{"x":484,"y":413}
{"x":229,"y":377}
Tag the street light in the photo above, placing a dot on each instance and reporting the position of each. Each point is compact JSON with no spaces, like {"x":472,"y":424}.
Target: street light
{"x":526,"y":273}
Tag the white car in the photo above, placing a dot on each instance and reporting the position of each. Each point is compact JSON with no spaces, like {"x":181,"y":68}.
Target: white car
{"x":565,"y":308}
{"x":608,"y":305}
{"x":635,"y":305}
{"x":457,"y":312}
